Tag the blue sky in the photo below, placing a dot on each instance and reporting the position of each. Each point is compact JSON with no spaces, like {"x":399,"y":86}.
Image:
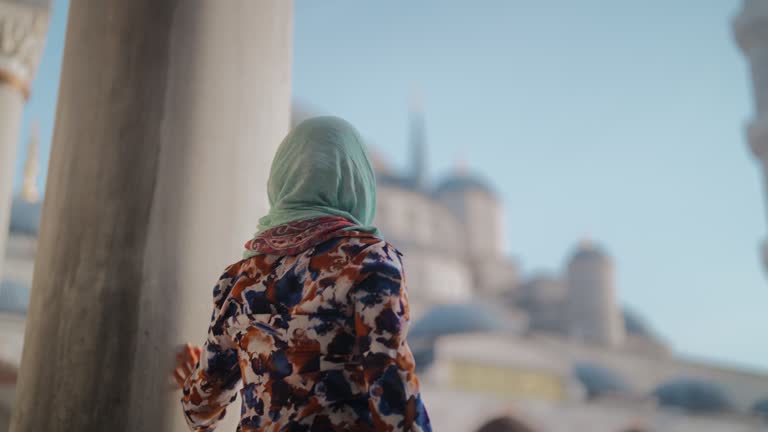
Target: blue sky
{"x":622,"y":121}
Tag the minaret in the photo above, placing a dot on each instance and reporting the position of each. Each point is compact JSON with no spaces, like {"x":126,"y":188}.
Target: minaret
{"x":751,"y":30}
{"x":29,"y":190}
{"x":418,"y":143}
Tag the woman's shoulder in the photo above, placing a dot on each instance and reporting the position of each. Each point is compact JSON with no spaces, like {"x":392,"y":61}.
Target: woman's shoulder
{"x":373,"y":255}
{"x":364,"y":251}
{"x":370,"y":247}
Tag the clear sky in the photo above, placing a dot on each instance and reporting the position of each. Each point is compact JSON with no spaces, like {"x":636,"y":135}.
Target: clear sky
{"x":622,"y":121}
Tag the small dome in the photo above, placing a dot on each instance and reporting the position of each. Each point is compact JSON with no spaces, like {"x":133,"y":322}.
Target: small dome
{"x":599,"y":380}
{"x":14,"y":297}
{"x":586,"y":250}
{"x":463,"y":182}
{"x":424,"y":357}
{"x":693,"y":395}
{"x":761,"y":407}
{"x":449,"y":319}
{"x":635,"y":324}
{"x":25,"y":217}
{"x":462,"y":318}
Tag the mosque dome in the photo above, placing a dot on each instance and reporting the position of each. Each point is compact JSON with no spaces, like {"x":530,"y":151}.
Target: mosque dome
{"x":450,"y":319}
{"x":25,"y":216}
{"x":693,"y":395}
{"x":761,"y":407}
{"x":598,"y":380}
{"x":463,"y":182}
{"x":14,"y":297}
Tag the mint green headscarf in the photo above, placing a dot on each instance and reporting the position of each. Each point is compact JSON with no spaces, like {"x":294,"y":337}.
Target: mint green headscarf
{"x":321,"y":169}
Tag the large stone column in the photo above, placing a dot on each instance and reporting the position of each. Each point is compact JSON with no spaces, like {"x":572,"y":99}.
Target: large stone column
{"x":169,"y":113}
{"x":751,"y":31}
{"x":23,"y":25}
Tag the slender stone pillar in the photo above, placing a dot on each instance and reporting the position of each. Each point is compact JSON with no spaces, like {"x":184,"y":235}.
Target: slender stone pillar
{"x":168,"y":116}
{"x":23,"y":25}
{"x":751,"y":31}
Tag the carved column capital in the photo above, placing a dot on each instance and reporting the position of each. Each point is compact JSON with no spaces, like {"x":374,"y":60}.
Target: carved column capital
{"x":23,"y":28}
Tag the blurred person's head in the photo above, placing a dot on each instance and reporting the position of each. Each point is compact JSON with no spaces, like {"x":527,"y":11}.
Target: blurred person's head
{"x":321,"y":168}
{"x":505,"y":424}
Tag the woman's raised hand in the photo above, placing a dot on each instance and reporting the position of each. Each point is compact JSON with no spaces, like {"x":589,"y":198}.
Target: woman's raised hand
{"x":186,"y":361}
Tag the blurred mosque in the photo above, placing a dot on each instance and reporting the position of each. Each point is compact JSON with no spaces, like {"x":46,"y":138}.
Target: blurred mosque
{"x":555,"y":351}
{"x":557,"y":348}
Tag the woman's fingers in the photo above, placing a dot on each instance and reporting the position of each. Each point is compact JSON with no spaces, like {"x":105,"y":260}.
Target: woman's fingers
{"x":197,"y":351}
{"x":193,"y":354}
{"x":179,"y":377}
{"x":190,"y":359}
{"x":186,"y":360}
{"x":188,"y":368}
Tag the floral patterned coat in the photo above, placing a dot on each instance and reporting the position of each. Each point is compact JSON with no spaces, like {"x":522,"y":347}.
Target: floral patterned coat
{"x":317,"y":338}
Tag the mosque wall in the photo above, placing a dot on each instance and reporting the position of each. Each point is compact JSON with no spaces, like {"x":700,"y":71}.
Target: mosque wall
{"x":484,"y":224}
{"x":495,"y":276}
{"x":644,"y":371}
{"x":533,"y":376}
{"x":407,"y":217}
{"x":431,"y":239}
{"x":434,"y":279}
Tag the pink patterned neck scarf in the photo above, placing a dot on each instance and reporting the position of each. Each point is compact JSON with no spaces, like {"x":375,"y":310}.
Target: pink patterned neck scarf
{"x":294,"y":238}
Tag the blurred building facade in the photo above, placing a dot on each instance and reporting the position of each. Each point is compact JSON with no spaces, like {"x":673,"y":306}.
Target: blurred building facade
{"x":750,"y":28}
{"x":553,"y":351}
{"x":23,"y":28}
